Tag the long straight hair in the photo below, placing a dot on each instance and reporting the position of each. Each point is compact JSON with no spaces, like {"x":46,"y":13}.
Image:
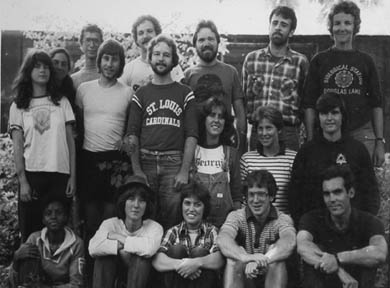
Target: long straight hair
{"x":22,"y":85}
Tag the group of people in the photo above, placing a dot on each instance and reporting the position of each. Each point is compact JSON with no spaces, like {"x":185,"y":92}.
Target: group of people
{"x":169,"y":195}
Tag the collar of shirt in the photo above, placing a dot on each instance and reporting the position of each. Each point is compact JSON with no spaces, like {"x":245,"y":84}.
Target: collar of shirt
{"x":324,"y":140}
{"x":330,"y":223}
{"x":272,"y":215}
{"x":267,"y":53}
{"x":69,"y":239}
{"x":183,"y":229}
{"x":282,"y":150}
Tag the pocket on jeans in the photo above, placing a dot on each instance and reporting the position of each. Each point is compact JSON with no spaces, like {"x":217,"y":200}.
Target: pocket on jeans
{"x":175,"y":159}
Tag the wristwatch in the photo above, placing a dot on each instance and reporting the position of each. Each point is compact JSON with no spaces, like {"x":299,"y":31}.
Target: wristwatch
{"x":381,"y":139}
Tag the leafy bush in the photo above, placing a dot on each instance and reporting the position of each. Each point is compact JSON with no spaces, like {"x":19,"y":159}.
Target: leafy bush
{"x":9,"y":230}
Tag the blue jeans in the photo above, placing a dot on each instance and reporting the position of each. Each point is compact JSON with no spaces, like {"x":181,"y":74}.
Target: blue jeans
{"x":161,"y":170}
{"x":125,"y":269}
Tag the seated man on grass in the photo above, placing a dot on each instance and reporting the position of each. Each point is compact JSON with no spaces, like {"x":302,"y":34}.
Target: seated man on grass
{"x":52,"y":257}
{"x":123,"y":245}
{"x":188,"y":255}
{"x":341,"y":246}
{"x":257,"y":239}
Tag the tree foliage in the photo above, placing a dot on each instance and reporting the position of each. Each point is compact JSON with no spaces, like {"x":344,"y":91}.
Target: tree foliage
{"x":54,"y":39}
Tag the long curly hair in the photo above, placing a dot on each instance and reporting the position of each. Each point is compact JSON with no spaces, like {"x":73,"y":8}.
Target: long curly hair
{"x":228,"y":129}
{"x":22,"y":86}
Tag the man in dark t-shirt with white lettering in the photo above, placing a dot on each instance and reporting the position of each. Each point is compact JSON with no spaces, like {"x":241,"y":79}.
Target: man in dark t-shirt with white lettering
{"x":162,"y":129}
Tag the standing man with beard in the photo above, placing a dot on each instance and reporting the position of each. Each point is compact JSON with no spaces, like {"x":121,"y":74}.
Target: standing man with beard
{"x":138,"y":72}
{"x":163,"y":131}
{"x":90,"y":39}
{"x":274,"y":76}
{"x":206,"y":41}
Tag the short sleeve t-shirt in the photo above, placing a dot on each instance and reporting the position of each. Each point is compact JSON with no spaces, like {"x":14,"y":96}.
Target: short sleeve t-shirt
{"x":162,"y":116}
{"x":227,"y":74}
{"x":138,"y":73}
{"x":44,"y":129}
{"x":105,"y":114}
{"x":362,"y":227}
{"x":242,"y":225}
{"x":209,"y":160}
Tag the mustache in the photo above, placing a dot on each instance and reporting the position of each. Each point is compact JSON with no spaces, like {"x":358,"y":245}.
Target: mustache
{"x":146,"y":40}
{"x":207,"y":48}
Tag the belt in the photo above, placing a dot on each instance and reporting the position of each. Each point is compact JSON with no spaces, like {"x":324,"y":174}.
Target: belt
{"x":157,"y":153}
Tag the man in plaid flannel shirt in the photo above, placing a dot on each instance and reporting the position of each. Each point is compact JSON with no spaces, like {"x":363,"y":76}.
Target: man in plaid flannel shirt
{"x":188,"y":254}
{"x":274,"y":76}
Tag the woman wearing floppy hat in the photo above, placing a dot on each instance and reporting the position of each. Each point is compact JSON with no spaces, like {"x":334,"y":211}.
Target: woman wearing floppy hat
{"x":123,"y":245}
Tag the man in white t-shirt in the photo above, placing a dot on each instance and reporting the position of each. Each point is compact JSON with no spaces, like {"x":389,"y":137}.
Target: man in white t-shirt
{"x":138,"y":72}
{"x":104,"y":106}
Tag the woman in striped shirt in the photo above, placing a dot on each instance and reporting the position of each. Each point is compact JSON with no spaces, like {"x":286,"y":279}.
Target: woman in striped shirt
{"x":270,"y":154}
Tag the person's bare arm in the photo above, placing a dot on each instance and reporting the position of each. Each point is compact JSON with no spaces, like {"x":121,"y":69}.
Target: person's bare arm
{"x":163,"y":263}
{"x":283,"y":247}
{"x":71,"y":186}
{"x":18,"y":143}
{"x":347,"y":280}
{"x":189,"y":151}
{"x":230,"y":249}
{"x":306,"y":248}
{"x":211,"y":261}
{"x":135,"y":162}
{"x":370,"y":256}
{"x":239,"y":110}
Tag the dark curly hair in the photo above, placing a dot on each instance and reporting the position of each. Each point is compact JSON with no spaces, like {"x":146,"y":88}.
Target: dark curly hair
{"x":228,"y":129}
{"x":22,"y":85}
{"x":197,"y":191}
{"x":140,"y":20}
{"x":347,"y":7}
{"x":170,"y":42}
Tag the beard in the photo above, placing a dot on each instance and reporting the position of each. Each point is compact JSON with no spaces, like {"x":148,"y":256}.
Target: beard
{"x":207,"y":54}
{"x":278,"y":39}
{"x":163,"y":72}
